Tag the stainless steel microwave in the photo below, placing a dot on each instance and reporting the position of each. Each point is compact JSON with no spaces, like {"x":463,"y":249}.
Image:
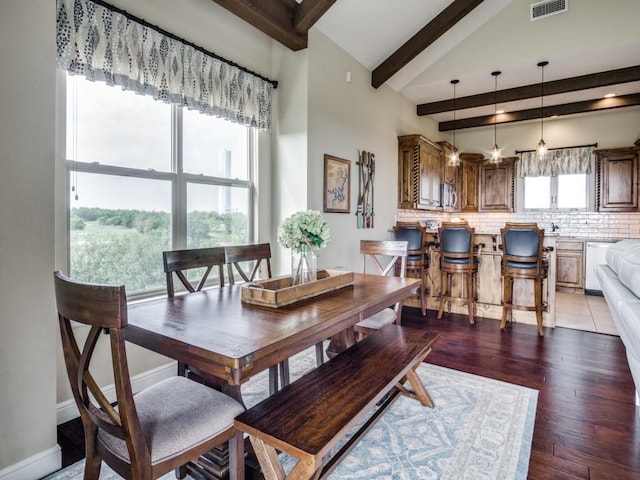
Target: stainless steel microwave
{"x":448,"y":196}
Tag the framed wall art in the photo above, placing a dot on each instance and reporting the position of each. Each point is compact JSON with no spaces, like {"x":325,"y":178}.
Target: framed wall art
{"x":337,"y":181}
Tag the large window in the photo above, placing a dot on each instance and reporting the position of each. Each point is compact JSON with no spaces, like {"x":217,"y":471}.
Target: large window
{"x":146,"y":176}
{"x":561,"y":192}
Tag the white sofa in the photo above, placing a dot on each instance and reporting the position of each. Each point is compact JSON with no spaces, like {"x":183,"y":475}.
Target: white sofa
{"x":620,"y":282}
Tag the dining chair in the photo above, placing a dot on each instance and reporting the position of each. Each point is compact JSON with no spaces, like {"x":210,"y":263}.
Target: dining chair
{"x":523,"y":257}
{"x":458,"y":255}
{"x":235,"y":257}
{"x":184,"y":263}
{"x":385,"y":255}
{"x":147,"y":434}
{"x":196,"y":263}
{"x":417,"y":257}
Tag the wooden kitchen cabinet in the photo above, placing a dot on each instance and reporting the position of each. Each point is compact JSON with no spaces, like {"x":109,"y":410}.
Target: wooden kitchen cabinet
{"x":468,"y":181}
{"x":419,"y":173}
{"x":570,"y":265}
{"x":496,"y":186}
{"x":450,"y":173}
{"x":617,"y":180}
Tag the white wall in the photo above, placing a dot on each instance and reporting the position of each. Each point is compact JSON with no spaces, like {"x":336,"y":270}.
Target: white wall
{"x":27,"y":319}
{"x":347,"y":117}
{"x":609,"y":129}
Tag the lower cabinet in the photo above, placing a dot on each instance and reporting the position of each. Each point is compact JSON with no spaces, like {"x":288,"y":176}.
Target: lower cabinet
{"x":570,"y":265}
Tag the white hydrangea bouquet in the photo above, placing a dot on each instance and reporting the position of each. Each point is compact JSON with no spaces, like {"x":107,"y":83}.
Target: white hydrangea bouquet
{"x":305,"y":233}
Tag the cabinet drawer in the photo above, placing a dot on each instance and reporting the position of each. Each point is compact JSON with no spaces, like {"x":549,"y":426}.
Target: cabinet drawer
{"x":569,"y":245}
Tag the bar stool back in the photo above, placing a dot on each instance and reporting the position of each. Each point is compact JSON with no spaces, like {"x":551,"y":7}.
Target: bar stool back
{"x":523,"y":257}
{"x":417,"y":258}
{"x":457,"y":257}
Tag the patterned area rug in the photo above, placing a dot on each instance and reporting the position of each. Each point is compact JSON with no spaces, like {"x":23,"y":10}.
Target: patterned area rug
{"x":479,"y":429}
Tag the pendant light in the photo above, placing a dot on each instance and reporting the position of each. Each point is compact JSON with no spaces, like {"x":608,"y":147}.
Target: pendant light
{"x":542,"y":147}
{"x":454,"y":159}
{"x":495,"y":150}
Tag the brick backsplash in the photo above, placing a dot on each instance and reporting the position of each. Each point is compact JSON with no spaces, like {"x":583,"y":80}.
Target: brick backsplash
{"x":587,"y":225}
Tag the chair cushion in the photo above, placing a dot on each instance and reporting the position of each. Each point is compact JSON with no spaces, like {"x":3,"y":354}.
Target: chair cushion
{"x":379,"y":320}
{"x":176,"y":414}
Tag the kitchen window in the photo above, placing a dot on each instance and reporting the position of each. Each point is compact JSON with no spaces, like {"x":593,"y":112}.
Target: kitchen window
{"x":561,"y":192}
{"x":559,"y":181}
{"x":147,"y":176}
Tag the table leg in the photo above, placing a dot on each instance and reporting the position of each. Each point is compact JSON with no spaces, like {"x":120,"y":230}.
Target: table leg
{"x":341,"y":341}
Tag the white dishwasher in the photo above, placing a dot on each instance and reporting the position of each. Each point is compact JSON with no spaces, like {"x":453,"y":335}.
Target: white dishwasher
{"x":596,"y":255}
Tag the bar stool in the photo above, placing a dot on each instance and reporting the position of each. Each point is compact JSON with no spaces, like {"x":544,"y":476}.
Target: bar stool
{"x":417,"y":259}
{"x":523,"y":257}
{"x":457,"y":256}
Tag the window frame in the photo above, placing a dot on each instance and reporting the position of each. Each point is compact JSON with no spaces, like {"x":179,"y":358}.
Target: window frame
{"x":553,"y":192}
{"x":178,"y":179}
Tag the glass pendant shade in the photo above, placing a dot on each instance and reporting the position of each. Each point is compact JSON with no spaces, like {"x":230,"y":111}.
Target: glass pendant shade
{"x":495,"y":150}
{"x":454,"y":159}
{"x":542,"y":147}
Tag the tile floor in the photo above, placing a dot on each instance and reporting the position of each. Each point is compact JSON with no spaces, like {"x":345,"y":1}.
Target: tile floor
{"x":584,"y":312}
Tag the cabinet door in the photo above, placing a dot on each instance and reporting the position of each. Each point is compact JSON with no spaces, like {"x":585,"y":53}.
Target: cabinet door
{"x":430,"y":176}
{"x":496,"y":187}
{"x":468,"y":185}
{"x":569,"y":269}
{"x":450,"y":173}
{"x":407,"y":176}
{"x":617,"y":181}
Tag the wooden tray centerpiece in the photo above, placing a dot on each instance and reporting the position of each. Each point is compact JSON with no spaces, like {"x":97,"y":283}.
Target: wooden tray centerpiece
{"x":278,"y":292}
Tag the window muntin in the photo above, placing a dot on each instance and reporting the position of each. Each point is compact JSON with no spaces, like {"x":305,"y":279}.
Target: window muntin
{"x":132,"y":190}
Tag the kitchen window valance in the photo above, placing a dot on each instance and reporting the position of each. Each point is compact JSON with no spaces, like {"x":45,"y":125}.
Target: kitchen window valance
{"x":104,"y":43}
{"x":558,"y":161}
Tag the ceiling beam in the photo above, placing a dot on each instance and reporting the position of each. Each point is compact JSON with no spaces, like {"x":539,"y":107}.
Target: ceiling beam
{"x":549,"y":111}
{"x":308,"y":12}
{"x":574,"y":84}
{"x":423,"y":39}
{"x":273,"y":17}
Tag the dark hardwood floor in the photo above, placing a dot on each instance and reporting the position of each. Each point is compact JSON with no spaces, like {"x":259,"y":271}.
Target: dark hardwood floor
{"x":587,"y":426}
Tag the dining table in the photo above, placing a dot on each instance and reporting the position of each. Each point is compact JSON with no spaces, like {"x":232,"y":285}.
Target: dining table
{"x":230,"y":340}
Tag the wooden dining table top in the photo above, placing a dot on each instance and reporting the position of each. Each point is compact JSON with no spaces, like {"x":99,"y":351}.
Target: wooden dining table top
{"x":216,"y":332}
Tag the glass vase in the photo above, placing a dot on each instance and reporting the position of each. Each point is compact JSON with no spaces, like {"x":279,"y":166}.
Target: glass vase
{"x":304,"y":266}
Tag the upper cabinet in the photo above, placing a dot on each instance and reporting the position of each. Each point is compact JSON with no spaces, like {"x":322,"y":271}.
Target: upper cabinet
{"x":617,"y":180}
{"x":419,"y":173}
{"x":450,"y":173}
{"x":468,"y":180}
{"x":496,"y":186}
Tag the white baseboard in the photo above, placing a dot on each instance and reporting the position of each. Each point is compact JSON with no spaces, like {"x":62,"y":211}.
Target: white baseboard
{"x":36,"y":466}
{"x":67,"y":410}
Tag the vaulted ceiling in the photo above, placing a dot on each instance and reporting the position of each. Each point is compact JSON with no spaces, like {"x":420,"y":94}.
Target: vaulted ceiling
{"x":417,"y":47}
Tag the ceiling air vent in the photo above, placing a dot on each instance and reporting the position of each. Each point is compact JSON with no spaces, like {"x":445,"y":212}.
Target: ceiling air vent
{"x":548,"y":7}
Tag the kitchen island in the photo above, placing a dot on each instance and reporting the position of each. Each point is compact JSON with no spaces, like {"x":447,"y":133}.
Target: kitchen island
{"x":489,"y":303}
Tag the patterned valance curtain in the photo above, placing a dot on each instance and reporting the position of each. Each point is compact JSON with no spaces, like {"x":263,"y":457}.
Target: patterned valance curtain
{"x":558,"y":161}
{"x":104,"y":44}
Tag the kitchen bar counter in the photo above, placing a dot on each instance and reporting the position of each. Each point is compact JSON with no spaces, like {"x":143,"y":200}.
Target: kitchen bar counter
{"x":489,"y":304}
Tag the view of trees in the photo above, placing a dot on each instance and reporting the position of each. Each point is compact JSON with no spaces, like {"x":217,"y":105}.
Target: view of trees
{"x":125,"y":246}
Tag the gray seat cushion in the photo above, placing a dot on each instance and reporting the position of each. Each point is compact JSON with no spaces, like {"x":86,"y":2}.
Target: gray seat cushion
{"x":379,"y":320}
{"x":175,"y":415}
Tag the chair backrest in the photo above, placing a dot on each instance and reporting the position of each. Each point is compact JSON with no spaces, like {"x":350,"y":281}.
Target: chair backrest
{"x":179,"y":261}
{"x":237,"y":254}
{"x":385,"y":254}
{"x":415,"y":234}
{"x":456,"y":243}
{"x":103,"y":308}
{"x":522,"y":245}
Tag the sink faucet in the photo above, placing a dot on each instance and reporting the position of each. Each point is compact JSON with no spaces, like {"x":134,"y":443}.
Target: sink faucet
{"x":554,"y":227}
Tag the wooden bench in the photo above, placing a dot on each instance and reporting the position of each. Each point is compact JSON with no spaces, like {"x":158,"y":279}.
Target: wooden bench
{"x":308,"y":418}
